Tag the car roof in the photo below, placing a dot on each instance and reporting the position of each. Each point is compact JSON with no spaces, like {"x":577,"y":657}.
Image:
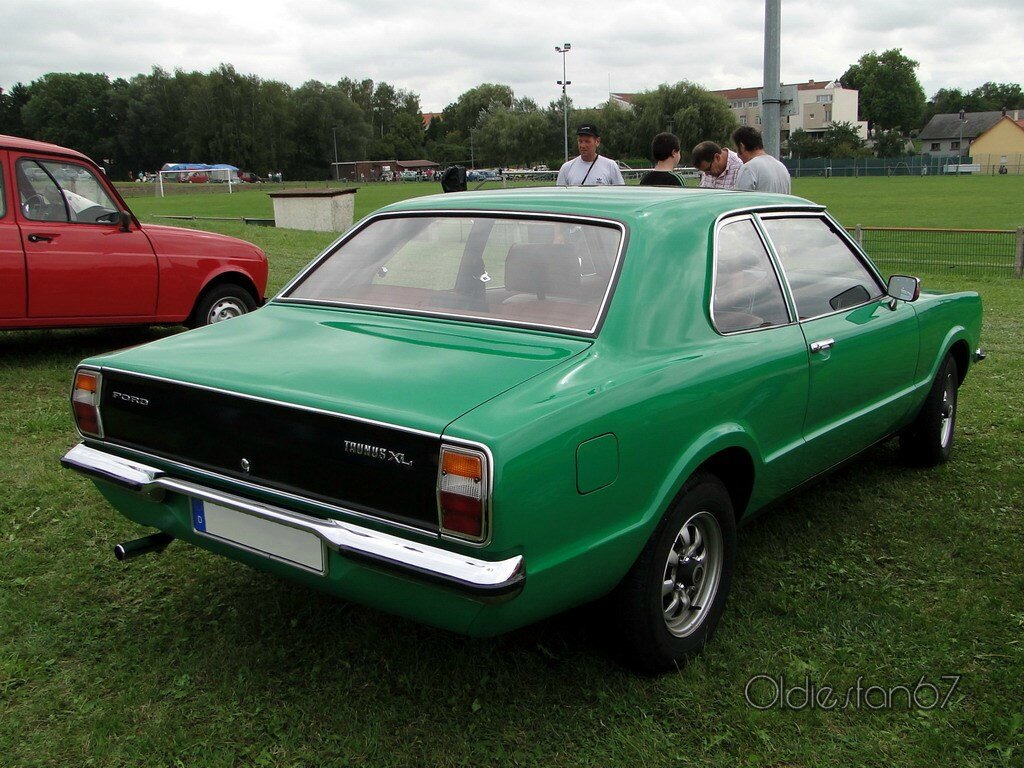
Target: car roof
{"x":620,"y":203}
{"x":30,"y":145}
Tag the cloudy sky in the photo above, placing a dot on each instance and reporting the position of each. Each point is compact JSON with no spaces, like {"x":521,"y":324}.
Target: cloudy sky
{"x":439,"y":50}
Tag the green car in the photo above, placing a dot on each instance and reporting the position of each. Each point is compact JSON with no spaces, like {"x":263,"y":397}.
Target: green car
{"x":477,"y":410}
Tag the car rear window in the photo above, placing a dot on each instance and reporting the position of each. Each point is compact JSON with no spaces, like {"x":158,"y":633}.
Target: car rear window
{"x":524,"y":271}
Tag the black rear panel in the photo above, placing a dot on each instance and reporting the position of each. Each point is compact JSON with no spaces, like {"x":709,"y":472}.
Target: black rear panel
{"x":369,"y":468}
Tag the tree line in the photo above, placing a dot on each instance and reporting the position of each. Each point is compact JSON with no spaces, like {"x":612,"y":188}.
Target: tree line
{"x":263,"y":126}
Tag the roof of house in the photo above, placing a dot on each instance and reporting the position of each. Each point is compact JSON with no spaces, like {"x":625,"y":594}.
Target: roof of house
{"x":948,"y":126}
{"x":732,"y":94}
{"x":426,"y":117}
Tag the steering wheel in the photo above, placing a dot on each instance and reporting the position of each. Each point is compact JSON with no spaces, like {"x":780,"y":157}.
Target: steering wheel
{"x":32,"y":205}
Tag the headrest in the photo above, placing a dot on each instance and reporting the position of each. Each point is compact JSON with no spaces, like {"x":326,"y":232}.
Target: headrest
{"x":546,"y":270}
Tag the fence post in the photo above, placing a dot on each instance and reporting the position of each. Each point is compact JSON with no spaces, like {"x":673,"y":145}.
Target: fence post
{"x":1018,"y":262}
{"x":858,"y":234}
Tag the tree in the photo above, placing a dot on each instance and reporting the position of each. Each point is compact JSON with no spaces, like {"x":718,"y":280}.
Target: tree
{"x":465,"y":113}
{"x":890,"y":93}
{"x":889,"y":144}
{"x":11,"y":104}
{"x":687,"y":110}
{"x":509,"y":137}
{"x":73,"y":110}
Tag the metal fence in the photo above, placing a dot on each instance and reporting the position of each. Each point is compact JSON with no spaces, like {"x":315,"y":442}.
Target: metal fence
{"x":965,"y":252}
{"x":908,"y":165}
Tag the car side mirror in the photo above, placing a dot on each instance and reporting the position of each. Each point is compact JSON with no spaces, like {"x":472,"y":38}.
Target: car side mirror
{"x":903,"y":288}
{"x":124,"y":221}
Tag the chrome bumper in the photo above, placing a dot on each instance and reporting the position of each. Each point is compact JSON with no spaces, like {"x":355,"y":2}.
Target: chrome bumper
{"x":475,"y":577}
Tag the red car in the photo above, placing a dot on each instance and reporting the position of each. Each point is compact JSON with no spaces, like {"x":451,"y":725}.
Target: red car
{"x":73,"y":254}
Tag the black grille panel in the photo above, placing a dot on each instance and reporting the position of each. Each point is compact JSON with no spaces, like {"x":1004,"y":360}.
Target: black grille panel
{"x":373,"y":469}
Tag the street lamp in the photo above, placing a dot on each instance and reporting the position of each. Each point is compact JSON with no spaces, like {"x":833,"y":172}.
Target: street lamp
{"x":960,"y":146}
{"x":564,"y":49}
{"x":472,"y":153}
{"x":337,"y":170}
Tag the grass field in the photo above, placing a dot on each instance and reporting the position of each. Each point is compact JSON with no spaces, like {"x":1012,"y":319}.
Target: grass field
{"x":880,"y":574}
{"x":968,"y":202}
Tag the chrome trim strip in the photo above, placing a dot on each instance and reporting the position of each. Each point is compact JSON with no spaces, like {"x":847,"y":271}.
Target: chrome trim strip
{"x":465,"y":213}
{"x":480,"y":577}
{"x":859,"y":253}
{"x":721,"y":222}
{"x":271,"y":401}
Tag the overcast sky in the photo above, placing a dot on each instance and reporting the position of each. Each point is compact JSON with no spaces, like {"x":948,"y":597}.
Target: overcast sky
{"x":439,"y":50}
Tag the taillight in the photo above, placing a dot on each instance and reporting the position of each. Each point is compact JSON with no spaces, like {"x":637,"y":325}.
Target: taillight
{"x":85,"y":402}
{"x":462,"y":493}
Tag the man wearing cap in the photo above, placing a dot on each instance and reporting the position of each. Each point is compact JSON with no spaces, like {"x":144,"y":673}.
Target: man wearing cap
{"x":589,"y":169}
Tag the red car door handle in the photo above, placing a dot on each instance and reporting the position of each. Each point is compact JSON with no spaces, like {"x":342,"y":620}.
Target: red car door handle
{"x":35,"y":238}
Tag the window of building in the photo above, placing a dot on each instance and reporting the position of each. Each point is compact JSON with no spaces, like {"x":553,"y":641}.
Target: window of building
{"x":935,"y":146}
{"x":954,"y":145}
{"x":826,"y":99}
{"x":753,"y":103}
{"x":743,"y":119}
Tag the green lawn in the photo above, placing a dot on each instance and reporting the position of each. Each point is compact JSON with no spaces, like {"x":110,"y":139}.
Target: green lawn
{"x":185,"y":659}
{"x":963,"y":202}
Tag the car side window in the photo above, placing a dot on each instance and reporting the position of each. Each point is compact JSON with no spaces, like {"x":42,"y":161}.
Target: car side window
{"x":747,"y":293}
{"x":49,"y":190}
{"x":824,"y":273}
{"x":3,"y":193}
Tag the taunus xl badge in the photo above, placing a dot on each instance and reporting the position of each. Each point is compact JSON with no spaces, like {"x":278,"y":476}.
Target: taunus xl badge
{"x":376,"y":452}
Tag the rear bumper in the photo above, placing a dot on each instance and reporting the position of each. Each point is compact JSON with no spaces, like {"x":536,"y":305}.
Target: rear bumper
{"x":475,"y":578}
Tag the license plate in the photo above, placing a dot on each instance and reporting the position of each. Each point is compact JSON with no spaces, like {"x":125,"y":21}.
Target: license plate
{"x":296,"y":547}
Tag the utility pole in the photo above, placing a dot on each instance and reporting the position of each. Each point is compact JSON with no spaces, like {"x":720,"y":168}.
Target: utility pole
{"x":337,"y":170}
{"x":564,"y":49}
{"x":771,"y":98}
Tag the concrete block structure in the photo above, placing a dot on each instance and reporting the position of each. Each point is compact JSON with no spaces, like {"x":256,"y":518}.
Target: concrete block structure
{"x":315,"y":210}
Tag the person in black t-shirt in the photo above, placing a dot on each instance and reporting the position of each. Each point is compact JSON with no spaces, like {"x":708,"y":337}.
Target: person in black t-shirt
{"x":665,"y":149}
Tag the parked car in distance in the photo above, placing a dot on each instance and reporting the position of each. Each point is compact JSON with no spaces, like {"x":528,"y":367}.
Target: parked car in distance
{"x":73,"y":254}
{"x":477,"y":410}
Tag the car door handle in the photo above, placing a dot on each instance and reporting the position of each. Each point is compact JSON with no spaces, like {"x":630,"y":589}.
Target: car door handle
{"x":822,"y":345}
{"x":35,"y":238}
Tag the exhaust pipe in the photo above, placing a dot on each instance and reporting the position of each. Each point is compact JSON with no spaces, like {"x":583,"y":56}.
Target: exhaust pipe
{"x":155,"y":542}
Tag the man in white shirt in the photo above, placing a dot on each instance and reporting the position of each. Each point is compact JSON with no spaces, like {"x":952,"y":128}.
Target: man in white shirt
{"x":760,"y":171}
{"x":589,"y":169}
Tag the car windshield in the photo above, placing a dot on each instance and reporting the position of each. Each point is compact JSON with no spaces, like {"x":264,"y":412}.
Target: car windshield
{"x":523,"y":271}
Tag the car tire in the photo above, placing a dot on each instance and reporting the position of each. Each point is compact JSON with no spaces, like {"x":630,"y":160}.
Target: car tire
{"x":928,"y":441}
{"x":672,"y":598}
{"x":221,"y":302}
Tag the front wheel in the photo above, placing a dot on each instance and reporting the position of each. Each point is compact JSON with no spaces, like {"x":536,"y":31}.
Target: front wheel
{"x":928,"y":441}
{"x":221,"y":302}
{"x":673,"y":596}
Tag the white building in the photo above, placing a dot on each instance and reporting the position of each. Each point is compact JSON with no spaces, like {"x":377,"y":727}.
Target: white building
{"x":820,"y":103}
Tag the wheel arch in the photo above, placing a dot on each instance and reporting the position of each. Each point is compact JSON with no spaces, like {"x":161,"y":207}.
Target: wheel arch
{"x":727,"y":452}
{"x":229,"y":277}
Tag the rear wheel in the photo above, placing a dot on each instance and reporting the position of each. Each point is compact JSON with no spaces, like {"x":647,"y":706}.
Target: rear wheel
{"x":673,"y":596}
{"x":929,"y":439}
{"x":221,"y":302}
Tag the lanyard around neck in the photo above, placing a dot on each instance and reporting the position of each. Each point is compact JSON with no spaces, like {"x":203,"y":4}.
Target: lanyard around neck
{"x":592,"y":164}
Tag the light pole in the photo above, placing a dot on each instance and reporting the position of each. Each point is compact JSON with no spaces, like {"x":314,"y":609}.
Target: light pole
{"x":334,"y":130}
{"x":472,"y":152}
{"x":960,"y":146}
{"x":564,"y":49}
